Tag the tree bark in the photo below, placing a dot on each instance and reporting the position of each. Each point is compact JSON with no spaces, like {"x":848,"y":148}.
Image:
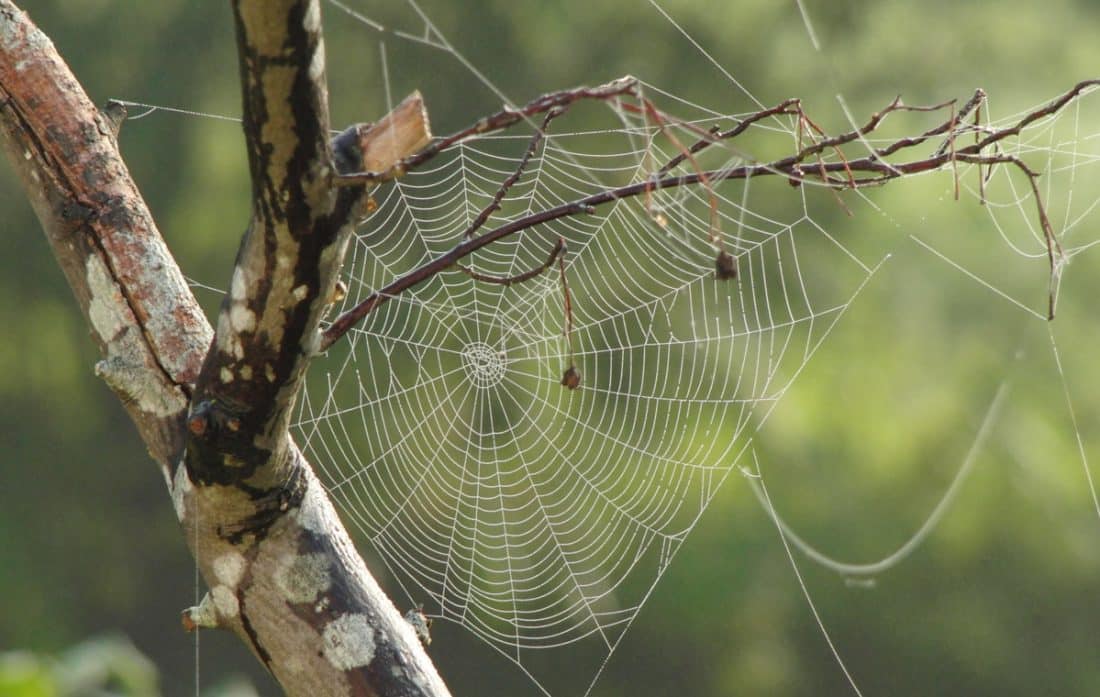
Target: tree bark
{"x":214,"y":406}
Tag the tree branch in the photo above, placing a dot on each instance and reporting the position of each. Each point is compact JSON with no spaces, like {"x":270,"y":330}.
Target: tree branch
{"x":151,"y":332}
{"x":794,"y":167}
{"x":282,"y":570}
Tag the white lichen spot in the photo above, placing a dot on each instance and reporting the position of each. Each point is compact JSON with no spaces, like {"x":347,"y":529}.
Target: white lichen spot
{"x":312,"y":343}
{"x":238,"y":287}
{"x":312,"y":20}
{"x":349,"y":642}
{"x":245,"y":372}
{"x":205,"y":614}
{"x":139,"y":385}
{"x":225,"y":601}
{"x":293,"y":664}
{"x":300,"y":292}
{"x":180,"y":488}
{"x":302,"y":577}
{"x":241,"y":318}
{"x":229,"y":568}
{"x":103,"y":310}
{"x":421,"y":624}
{"x":225,"y":337}
{"x":317,"y":63}
{"x":27,"y":155}
{"x":334,"y":253}
{"x":312,"y":513}
{"x":226,"y":375}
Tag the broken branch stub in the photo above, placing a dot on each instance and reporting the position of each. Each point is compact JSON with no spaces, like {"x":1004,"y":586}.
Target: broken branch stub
{"x":399,"y":134}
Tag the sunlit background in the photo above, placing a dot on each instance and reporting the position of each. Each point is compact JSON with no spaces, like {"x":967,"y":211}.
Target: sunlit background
{"x":1000,"y":599}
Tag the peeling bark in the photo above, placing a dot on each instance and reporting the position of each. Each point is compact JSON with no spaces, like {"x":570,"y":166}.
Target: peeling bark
{"x":282,"y":571}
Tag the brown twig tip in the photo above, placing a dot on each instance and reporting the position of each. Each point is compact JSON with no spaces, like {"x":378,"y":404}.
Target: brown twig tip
{"x":187,"y":621}
{"x":725,"y":266}
{"x":196,"y":424}
{"x":115,"y":113}
{"x":571,"y":378}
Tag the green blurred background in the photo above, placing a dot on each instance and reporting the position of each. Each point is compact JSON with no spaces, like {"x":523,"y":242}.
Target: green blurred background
{"x":1000,"y":600}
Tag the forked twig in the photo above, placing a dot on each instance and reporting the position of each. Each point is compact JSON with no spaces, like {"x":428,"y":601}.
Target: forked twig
{"x":505,"y":187}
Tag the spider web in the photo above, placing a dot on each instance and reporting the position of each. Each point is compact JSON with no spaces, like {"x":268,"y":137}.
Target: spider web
{"x":532,"y":515}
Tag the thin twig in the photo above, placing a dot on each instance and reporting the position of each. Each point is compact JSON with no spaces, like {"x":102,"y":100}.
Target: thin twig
{"x":558,"y":249}
{"x":495,"y":122}
{"x":877,"y":170}
{"x":498,"y":198}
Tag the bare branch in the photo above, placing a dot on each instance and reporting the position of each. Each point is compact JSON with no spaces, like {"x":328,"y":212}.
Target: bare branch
{"x":151,"y":332}
{"x":505,"y":187}
{"x":282,"y":571}
{"x":792,"y":167}
{"x":302,"y":599}
{"x":495,"y":122}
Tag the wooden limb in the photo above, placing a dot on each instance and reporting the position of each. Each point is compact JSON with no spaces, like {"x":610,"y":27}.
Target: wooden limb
{"x":496,"y":122}
{"x":149,"y":329}
{"x":293,"y":587}
{"x":281,"y":569}
{"x":506,"y":186}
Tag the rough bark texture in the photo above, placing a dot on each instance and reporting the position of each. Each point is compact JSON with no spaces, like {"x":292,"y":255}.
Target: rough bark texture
{"x":213,"y":407}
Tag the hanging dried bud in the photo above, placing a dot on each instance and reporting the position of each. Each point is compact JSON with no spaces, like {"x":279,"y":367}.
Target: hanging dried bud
{"x":725,"y":266}
{"x":571,"y":379}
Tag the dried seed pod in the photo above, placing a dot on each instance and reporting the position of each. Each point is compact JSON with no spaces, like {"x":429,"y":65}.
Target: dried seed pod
{"x":725,"y":266}
{"x":571,"y":379}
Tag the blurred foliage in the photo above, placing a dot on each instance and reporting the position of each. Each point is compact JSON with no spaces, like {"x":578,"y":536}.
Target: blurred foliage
{"x":103,"y":667}
{"x":107,"y":666}
{"x":999,"y":601}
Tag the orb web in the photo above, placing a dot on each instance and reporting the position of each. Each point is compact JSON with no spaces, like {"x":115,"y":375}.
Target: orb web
{"x":534,"y":515}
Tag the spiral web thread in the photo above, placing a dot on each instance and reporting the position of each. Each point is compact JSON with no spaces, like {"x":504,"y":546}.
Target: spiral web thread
{"x":530,"y":514}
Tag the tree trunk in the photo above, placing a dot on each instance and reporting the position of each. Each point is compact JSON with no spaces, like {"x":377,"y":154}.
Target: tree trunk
{"x":213,"y":406}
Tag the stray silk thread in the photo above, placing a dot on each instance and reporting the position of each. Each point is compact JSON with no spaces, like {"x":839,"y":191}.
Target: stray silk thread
{"x":198,"y":590}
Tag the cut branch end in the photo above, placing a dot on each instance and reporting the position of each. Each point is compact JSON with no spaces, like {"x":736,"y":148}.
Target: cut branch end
{"x":397,"y":135}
